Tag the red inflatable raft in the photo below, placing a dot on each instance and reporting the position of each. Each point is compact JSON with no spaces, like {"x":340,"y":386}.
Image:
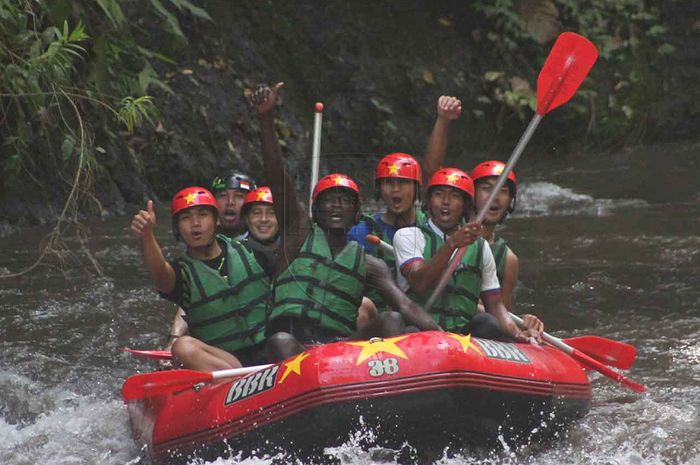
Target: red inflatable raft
{"x":429,"y":389}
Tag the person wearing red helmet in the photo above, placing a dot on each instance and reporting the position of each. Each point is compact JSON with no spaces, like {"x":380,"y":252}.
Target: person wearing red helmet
{"x":485,"y":176}
{"x":226,"y":319}
{"x":320,"y":276}
{"x":399,"y":180}
{"x":258,"y":212}
{"x":423,"y":253}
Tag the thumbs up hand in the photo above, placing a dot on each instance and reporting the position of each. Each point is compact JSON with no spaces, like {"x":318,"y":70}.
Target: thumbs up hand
{"x":144,"y":221}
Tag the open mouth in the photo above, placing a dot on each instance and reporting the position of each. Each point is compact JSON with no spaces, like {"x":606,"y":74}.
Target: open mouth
{"x":196,"y":235}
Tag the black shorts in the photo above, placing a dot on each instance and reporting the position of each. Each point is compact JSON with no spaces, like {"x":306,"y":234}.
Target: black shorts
{"x":304,"y":331}
{"x":251,"y":356}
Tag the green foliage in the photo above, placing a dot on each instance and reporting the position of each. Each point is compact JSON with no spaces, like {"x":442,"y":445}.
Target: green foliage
{"x":133,"y":111}
{"x":630,"y":36}
{"x":62,"y":64}
{"x":57,"y":80}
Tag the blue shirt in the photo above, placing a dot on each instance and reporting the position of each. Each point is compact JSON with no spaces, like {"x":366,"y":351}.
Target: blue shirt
{"x":368,"y":225}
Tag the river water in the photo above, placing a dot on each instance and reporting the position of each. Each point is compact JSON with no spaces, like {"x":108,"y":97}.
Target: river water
{"x":608,"y":245}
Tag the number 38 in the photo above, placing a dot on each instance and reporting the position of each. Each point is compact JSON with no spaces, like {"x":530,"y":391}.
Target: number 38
{"x":387,"y":366}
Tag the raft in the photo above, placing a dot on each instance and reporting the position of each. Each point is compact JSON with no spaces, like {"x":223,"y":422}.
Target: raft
{"x":430,"y":390}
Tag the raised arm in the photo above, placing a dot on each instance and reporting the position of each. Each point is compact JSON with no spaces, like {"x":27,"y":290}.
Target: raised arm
{"x":379,"y":277}
{"x":291,"y":216}
{"x":448,"y":109}
{"x":162,"y":273}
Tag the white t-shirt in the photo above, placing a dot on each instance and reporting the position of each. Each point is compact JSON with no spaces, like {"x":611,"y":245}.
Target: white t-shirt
{"x":408,"y":247}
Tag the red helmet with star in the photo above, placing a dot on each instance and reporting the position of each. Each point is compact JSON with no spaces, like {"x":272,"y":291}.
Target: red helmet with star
{"x":192,"y":197}
{"x":262,"y":194}
{"x":452,"y":177}
{"x":491,"y":168}
{"x":333,"y":181}
{"x":399,"y":165}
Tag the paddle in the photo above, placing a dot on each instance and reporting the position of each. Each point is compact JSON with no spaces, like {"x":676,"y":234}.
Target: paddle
{"x":166,"y":381}
{"x":567,"y":65}
{"x":316,"y":150}
{"x":608,"y":351}
{"x":585,"y":359}
{"x":156,"y":354}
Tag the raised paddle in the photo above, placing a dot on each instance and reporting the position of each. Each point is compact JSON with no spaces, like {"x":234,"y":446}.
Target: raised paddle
{"x":586,"y":360}
{"x":166,"y":381}
{"x":316,"y":149}
{"x":567,"y":65}
{"x":156,"y":354}
{"x":608,"y":351}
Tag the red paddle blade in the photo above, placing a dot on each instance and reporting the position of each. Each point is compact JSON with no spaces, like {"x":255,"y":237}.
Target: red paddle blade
{"x":567,"y":65}
{"x":161,"y":382}
{"x":614,"y":353}
{"x":157,"y":354}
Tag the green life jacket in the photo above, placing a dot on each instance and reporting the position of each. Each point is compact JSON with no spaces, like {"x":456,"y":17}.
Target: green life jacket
{"x":322,"y":289}
{"x":458,"y":301}
{"x":377,"y":228}
{"x":229,"y":313}
{"x":500,"y":252}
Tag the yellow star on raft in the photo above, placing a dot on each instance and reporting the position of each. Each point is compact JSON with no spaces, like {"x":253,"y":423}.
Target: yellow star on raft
{"x":370,"y":348}
{"x":393,"y":169}
{"x":293,"y":366}
{"x":191,"y":197}
{"x":340,"y":181}
{"x":452,"y":178}
{"x":466,"y":342}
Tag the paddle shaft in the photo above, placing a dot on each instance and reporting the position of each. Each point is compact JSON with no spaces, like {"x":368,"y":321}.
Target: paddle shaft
{"x":457,"y":257}
{"x":316,"y":149}
{"x":580,"y":356}
{"x":168,"y":381}
{"x":238,"y":371}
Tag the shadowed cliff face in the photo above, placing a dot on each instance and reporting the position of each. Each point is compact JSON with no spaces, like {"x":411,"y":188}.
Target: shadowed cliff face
{"x":378,"y":67}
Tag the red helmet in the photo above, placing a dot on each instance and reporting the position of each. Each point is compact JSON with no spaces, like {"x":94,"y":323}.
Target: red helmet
{"x":491,"y":168}
{"x":452,"y":177}
{"x":399,"y":165}
{"x":333,"y":181}
{"x":192,"y":197}
{"x":262,"y":194}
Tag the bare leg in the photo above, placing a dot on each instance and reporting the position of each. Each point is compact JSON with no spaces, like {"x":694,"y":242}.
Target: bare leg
{"x":196,"y":355}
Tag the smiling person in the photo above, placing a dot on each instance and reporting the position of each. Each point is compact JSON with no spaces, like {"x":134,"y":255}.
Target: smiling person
{"x":320,"y":276}
{"x":219,"y":284}
{"x":485,"y":176}
{"x":423,"y":254}
{"x":398,"y":181}
{"x":230,"y":192}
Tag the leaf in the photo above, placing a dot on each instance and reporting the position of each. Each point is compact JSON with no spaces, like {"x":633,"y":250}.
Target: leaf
{"x":540,"y":19}
{"x":67,"y":148}
{"x":170,"y":20}
{"x":113,"y":11}
{"x":666,"y":49}
{"x":195,"y":10}
{"x":656,"y":31}
{"x":381,"y":106}
{"x":491,"y":76}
